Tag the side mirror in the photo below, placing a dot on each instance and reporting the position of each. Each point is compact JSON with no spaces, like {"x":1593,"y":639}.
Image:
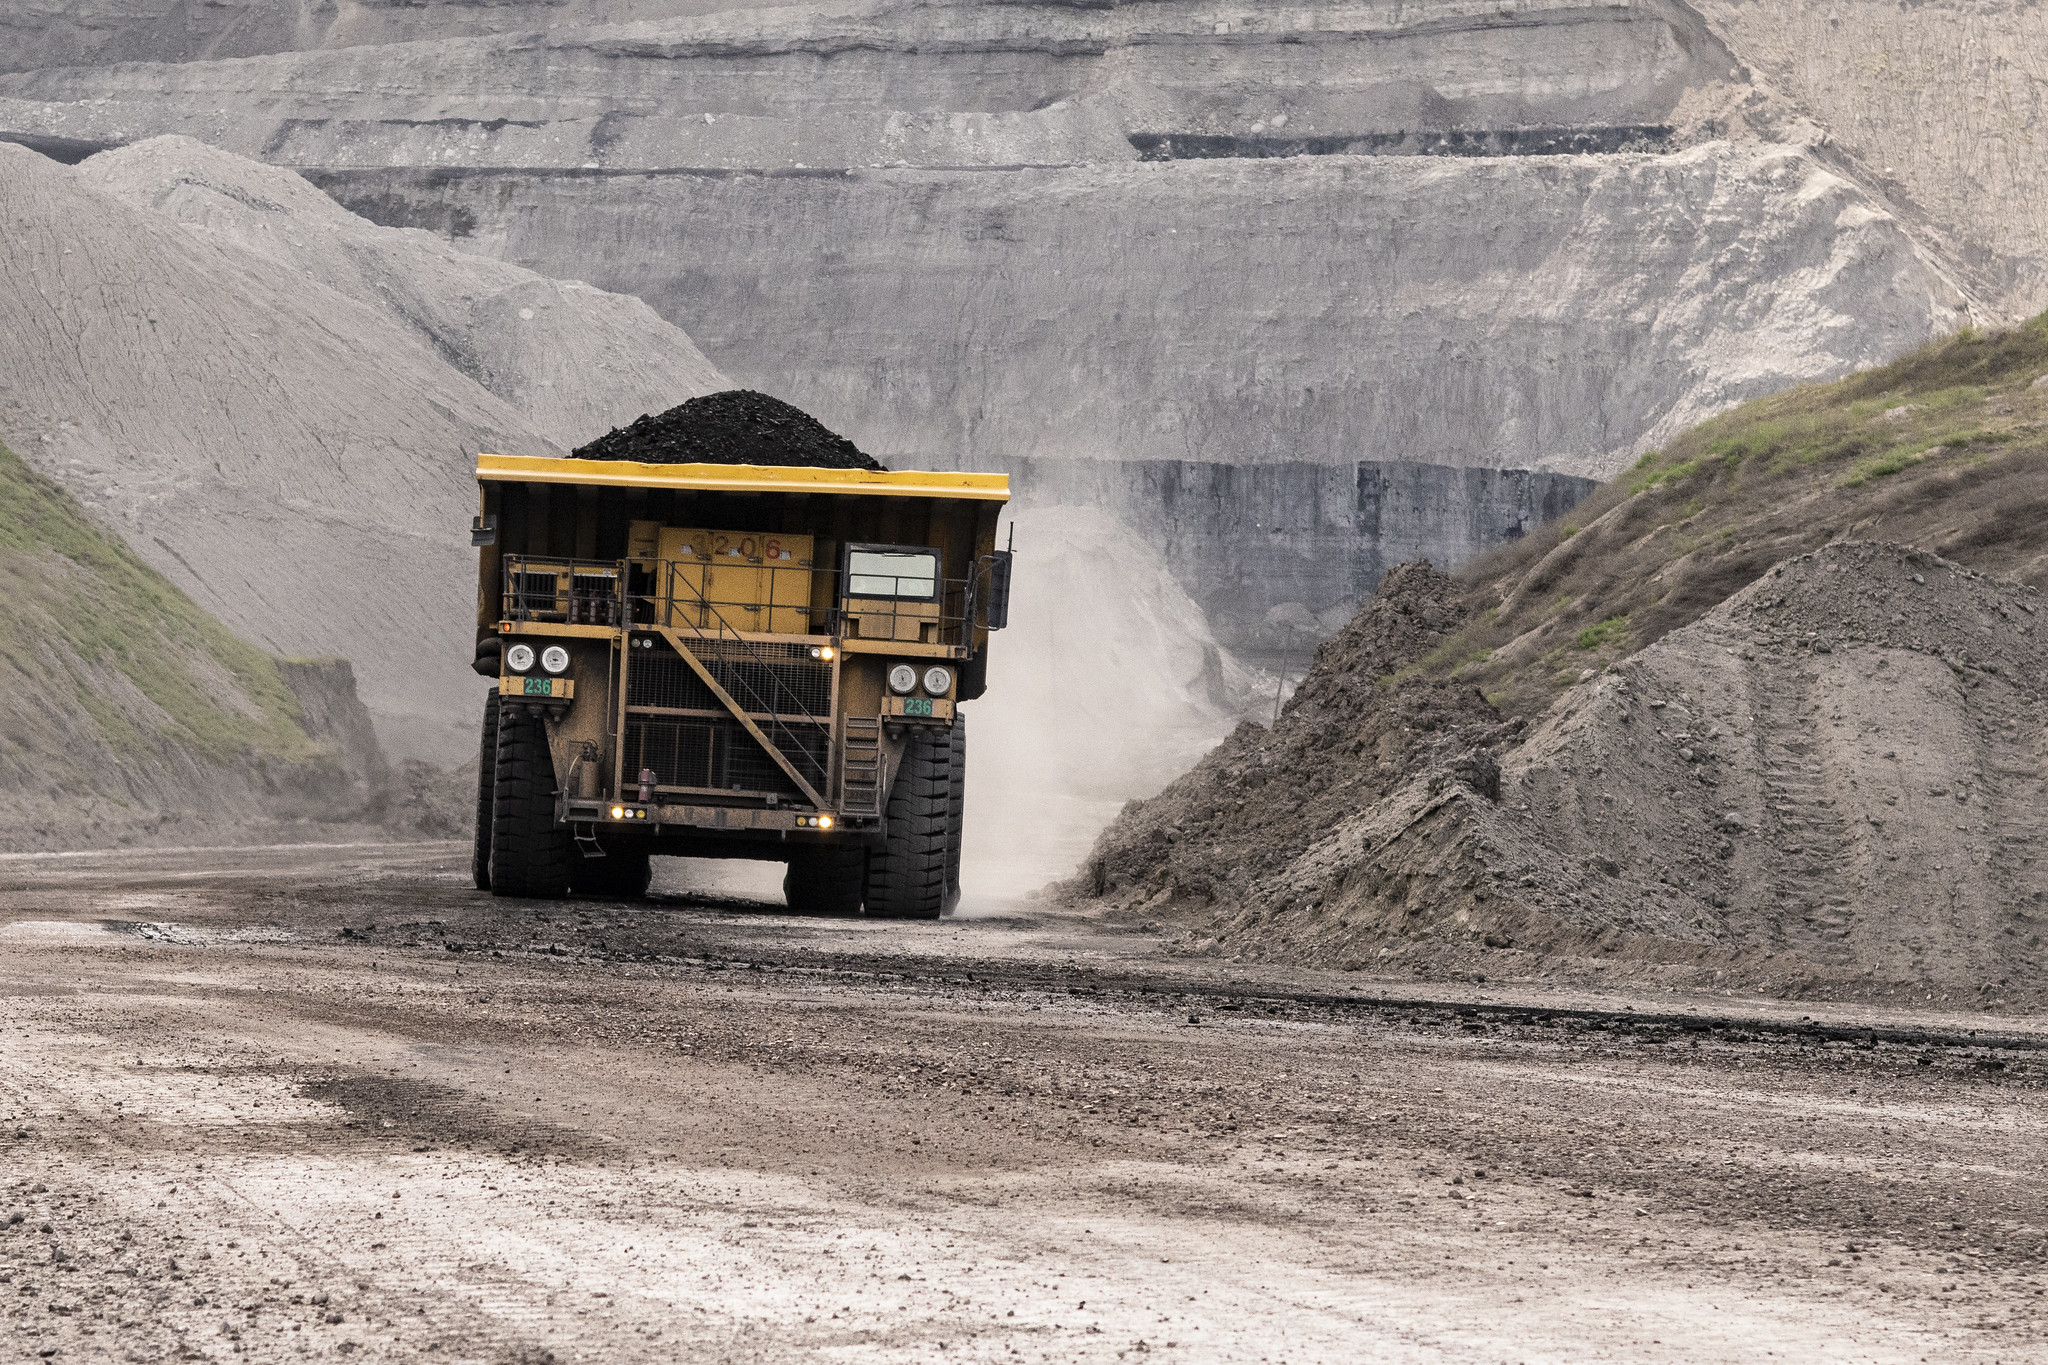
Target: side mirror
{"x":998,"y":614}
{"x":483,"y":530}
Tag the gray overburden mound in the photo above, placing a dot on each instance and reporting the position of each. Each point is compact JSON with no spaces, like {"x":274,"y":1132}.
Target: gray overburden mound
{"x":294,"y":453}
{"x":127,"y":715}
{"x":569,"y":357}
{"x":1833,"y":782}
{"x":737,"y":426}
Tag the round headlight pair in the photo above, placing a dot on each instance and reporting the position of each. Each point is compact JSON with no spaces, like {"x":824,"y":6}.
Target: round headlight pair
{"x":903,"y":680}
{"x":519,"y":659}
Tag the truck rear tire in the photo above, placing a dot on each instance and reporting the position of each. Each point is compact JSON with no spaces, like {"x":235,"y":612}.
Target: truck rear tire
{"x":614,"y":877}
{"x":486,"y":778}
{"x":957,"y":825}
{"x":826,"y":881}
{"x":530,"y":854}
{"x":907,"y":875}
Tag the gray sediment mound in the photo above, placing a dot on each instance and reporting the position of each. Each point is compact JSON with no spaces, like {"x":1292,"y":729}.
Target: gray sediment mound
{"x":1831,"y":783}
{"x":262,"y":390}
{"x":569,"y":358}
{"x":736,"y":426}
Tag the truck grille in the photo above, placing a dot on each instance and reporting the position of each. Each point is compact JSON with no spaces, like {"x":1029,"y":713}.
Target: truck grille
{"x":717,"y":754}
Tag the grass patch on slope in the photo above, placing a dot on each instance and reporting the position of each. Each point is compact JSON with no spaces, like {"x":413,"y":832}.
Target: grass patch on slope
{"x":70,"y":582}
{"x":1945,"y":449}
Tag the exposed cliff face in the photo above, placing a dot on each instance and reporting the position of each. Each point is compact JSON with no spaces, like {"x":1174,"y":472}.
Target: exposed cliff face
{"x":79,"y":32}
{"x":1521,"y":312}
{"x":1279,"y":556}
{"x":862,"y":83}
{"x":1942,"y":108}
{"x":1428,"y":292}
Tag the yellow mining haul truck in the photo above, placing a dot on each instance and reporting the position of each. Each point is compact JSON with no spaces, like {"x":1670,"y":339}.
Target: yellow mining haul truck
{"x":731,"y":661}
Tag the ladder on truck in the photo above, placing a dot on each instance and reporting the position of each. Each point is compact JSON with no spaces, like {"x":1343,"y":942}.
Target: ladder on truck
{"x":860,"y":767}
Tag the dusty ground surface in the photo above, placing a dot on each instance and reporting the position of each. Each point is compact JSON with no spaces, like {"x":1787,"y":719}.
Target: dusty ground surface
{"x":330,"y":1101}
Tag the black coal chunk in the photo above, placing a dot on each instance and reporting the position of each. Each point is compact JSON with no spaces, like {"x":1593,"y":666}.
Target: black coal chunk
{"x":737,"y":426}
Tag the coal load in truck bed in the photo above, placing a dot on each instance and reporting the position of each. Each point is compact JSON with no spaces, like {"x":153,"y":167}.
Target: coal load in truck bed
{"x":737,"y":426}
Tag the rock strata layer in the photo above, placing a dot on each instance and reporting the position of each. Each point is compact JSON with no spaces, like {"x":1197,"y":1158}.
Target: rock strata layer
{"x":1280,"y":556}
{"x":1553,"y":313}
{"x":1547,"y":236}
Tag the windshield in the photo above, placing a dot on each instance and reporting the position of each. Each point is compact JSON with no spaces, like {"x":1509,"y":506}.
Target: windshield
{"x":892,"y":572}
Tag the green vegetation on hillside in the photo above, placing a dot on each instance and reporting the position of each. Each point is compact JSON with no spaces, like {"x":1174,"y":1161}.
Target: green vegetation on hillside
{"x":1945,"y":450}
{"x":65,"y":583}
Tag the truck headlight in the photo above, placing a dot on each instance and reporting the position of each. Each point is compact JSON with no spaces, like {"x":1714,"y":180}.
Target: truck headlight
{"x":937,"y":681}
{"x":555,"y":659}
{"x":519,"y":658}
{"x":902,"y":679}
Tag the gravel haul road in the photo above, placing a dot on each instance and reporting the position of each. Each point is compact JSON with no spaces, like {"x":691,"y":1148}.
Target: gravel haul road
{"x":268,"y":1104}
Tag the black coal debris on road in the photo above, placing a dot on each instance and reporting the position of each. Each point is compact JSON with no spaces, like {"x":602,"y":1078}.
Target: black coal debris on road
{"x":737,"y":426}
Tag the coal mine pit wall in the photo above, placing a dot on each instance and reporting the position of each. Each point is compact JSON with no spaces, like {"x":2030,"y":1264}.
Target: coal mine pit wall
{"x":1553,"y":312}
{"x":803,"y":84}
{"x":1279,"y":556}
{"x":1942,"y":108}
{"x":1936,"y":107}
{"x":919,"y":222}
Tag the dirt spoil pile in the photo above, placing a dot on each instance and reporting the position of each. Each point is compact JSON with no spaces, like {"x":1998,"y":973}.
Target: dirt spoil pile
{"x":736,"y":426}
{"x":1354,"y":730}
{"x":1833,"y":783}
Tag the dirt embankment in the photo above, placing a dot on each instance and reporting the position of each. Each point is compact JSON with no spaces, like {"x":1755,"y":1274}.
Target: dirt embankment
{"x":1347,"y":741}
{"x":1833,"y":783}
{"x":1713,"y":738}
{"x":130,"y":716}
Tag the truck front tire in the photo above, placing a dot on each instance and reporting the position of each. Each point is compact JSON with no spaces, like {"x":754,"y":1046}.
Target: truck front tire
{"x":826,"y":881}
{"x":530,"y":854}
{"x":486,"y":779}
{"x":907,"y":875}
{"x":958,"y":813}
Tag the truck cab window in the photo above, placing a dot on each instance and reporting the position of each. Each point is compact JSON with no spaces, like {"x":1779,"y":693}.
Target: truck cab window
{"x":894,"y":571}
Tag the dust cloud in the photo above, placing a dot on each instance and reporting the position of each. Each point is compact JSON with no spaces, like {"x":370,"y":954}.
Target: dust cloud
{"x":1107,"y":685}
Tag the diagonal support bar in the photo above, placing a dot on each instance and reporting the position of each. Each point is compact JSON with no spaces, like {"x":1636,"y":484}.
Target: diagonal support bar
{"x":725,"y":699}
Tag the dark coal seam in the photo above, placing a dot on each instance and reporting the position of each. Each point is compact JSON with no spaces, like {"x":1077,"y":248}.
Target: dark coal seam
{"x":441,"y":175}
{"x":67,"y":150}
{"x":1602,"y":141}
